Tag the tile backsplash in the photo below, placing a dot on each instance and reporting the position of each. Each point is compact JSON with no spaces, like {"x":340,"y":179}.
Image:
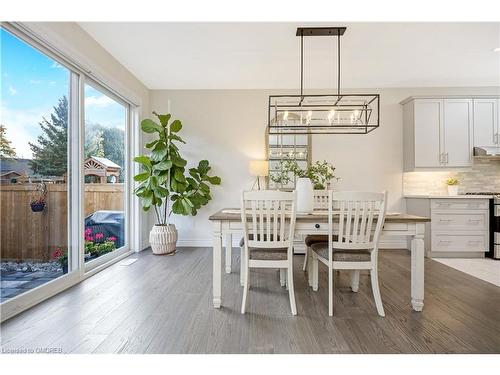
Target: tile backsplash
{"x":483,"y":176}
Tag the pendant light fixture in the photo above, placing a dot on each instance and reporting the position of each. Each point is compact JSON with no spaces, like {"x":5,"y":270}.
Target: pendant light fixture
{"x":339,"y":113}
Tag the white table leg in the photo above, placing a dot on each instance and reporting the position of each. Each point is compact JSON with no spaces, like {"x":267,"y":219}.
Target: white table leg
{"x":217,"y":266}
{"x":229,"y":248}
{"x":417,"y":268}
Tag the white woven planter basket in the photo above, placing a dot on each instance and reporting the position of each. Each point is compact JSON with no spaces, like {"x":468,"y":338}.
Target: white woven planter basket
{"x":163,"y":239}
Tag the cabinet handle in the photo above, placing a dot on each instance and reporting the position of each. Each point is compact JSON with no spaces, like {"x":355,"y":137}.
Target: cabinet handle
{"x":474,"y":242}
{"x":474,"y":220}
{"x":317,"y":226}
{"x":447,"y":158}
{"x":444,"y":242}
{"x":445,"y":220}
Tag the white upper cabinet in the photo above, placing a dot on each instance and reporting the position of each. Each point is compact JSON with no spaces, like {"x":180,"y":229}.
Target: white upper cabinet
{"x":457,"y":133}
{"x":486,"y":128}
{"x":428,"y":117}
{"x":440,"y":133}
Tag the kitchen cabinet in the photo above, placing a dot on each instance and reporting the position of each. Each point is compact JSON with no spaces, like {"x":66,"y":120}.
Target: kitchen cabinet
{"x":459,"y":225}
{"x":441,"y":132}
{"x":437,"y":133}
{"x":486,"y":127}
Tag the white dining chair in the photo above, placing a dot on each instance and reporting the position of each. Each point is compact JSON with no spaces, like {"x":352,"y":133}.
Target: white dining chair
{"x":268,"y":219}
{"x":353,"y":244}
{"x":320,"y":202}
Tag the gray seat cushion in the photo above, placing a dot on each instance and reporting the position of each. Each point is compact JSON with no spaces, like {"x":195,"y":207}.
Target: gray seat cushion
{"x":341,"y":255}
{"x":265,"y":254}
{"x":268,"y":254}
{"x":315,"y":238}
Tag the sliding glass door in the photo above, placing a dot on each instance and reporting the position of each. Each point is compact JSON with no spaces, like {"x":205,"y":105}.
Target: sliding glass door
{"x":105,"y":174}
{"x":65,"y":195}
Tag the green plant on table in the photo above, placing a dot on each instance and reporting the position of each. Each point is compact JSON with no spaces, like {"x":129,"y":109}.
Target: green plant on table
{"x":320,"y":173}
{"x":164,"y":184}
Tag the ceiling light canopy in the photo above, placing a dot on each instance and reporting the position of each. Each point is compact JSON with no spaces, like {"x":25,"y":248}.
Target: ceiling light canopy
{"x":339,"y":113}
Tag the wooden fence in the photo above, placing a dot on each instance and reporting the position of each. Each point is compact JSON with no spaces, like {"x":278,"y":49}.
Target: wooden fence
{"x":27,"y":235}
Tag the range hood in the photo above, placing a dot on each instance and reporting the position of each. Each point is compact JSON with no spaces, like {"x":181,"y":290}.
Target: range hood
{"x":487,"y":152}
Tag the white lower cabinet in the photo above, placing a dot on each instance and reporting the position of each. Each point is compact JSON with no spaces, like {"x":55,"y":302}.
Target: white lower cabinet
{"x":459,"y":226}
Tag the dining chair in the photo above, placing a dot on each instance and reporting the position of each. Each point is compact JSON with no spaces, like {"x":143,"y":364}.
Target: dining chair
{"x":361,"y":217}
{"x":320,"y":202}
{"x":268,"y":219}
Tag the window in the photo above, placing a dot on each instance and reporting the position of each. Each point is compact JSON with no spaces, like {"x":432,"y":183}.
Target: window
{"x":34,"y":167}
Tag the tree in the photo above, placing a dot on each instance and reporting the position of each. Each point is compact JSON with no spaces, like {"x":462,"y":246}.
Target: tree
{"x":6,"y":150}
{"x":94,"y":141}
{"x":50,"y":155}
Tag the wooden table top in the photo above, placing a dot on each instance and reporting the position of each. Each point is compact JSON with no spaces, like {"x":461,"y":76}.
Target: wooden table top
{"x":233,"y":214}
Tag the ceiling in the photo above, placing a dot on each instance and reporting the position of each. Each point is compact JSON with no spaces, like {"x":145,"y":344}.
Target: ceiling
{"x":266,"y":55}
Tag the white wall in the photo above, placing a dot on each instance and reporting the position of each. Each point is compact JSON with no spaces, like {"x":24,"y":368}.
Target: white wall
{"x":73,"y":41}
{"x":228,"y":128}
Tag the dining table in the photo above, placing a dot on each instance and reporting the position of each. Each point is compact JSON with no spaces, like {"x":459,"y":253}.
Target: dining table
{"x":227,"y":223}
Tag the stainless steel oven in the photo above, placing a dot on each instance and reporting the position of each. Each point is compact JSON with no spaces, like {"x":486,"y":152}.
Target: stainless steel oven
{"x":495,"y":226}
{"x":494,"y":251}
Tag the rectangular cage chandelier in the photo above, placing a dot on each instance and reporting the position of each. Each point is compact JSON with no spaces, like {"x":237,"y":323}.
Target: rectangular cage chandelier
{"x":340,"y":113}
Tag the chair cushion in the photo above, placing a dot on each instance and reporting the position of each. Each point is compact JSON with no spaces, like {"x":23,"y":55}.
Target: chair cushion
{"x":315,"y":238}
{"x":268,"y":254}
{"x":341,"y":255}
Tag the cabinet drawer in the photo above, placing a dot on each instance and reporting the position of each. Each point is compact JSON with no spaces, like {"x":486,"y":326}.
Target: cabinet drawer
{"x":460,"y":242}
{"x":475,"y":220}
{"x":459,"y":204}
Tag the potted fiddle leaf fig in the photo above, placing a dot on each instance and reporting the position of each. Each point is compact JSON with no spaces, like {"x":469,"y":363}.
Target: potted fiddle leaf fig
{"x":164,"y":184}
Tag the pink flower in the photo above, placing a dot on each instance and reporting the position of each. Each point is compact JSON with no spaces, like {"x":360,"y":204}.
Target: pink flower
{"x":89,"y":238}
{"x":99,"y":236}
{"x":88,"y":231}
{"x":112,"y":238}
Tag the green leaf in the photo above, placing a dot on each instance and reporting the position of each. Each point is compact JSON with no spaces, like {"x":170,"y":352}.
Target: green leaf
{"x":175,"y":126}
{"x":194,"y":173}
{"x":203,"y":167}
{"x":144,"y":160}
{"x":215,"y":180}
{"x":151,"y":144}
{"x":149,"y":126}
{"x":187,"y":206}
{"x":177,"y":207}
{"x":161,"y":192}
{"x":164,"y":119}
{"x":204,"y":187}
{"x":159,"y":152}
{"x":179,"y":175}
{"x":141,"y":176}
{"x":178,"y":161}
{"x":175,"y":137}
{"x":164,"y":165}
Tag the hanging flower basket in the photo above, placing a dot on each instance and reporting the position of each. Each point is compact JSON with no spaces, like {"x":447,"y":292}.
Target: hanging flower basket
{"x":37,"y":206}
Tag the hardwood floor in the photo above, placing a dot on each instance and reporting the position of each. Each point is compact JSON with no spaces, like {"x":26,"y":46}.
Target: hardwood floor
{"x":163,"y":304}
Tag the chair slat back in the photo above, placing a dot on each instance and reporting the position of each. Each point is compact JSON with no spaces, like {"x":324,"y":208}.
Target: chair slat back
{"x":361,"y":216}
{"x":320,"y":201}
{"x":268,"y":218}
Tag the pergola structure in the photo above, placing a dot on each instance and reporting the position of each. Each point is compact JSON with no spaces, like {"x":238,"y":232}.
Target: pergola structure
{"x":101,"y":168}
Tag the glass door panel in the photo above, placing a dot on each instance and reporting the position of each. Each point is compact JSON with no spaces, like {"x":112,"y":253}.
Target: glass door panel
{"x":34,"y":124}
{"x":104,"y":170}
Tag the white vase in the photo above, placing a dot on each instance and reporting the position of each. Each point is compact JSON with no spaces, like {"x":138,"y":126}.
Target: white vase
{"x":305,"y":198}
{"x":452,"y":189}
{"x":163,"y":239}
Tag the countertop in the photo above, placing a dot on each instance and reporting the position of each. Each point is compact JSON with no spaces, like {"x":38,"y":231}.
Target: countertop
{"x":448,"y":196}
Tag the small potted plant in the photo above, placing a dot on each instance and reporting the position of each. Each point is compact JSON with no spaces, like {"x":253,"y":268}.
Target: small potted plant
{"x":61,"y":256}
{"x":452,"y":183}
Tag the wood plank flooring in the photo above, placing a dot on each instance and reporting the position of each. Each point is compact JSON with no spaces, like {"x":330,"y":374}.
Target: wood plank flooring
{"x":163,"y":304}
